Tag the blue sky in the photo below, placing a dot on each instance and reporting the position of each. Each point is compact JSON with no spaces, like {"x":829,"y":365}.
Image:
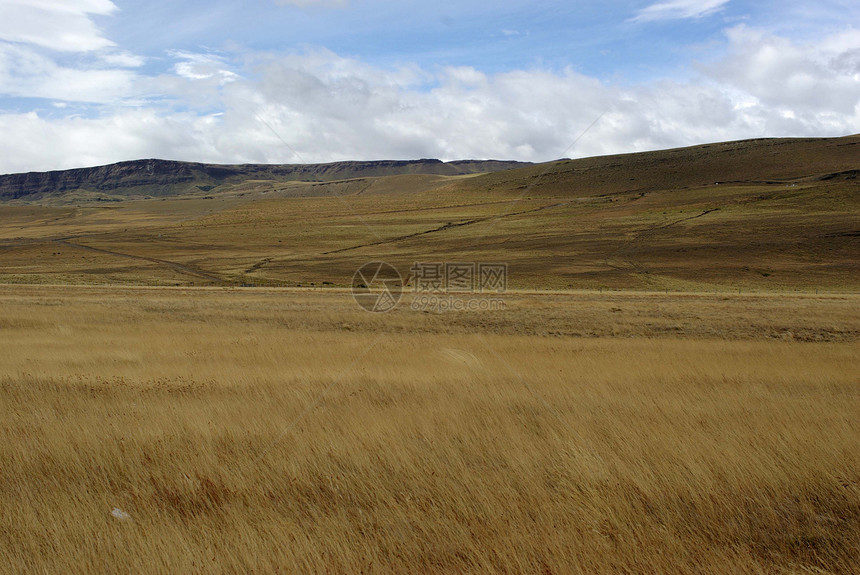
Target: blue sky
{"x":86,"y":82}
{"x":595,"y":37}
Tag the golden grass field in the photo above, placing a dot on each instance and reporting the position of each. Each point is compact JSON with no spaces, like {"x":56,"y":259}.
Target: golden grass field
{"x":769,"y":216}
{"x":289,"y":431}
{"x":671,"y":387}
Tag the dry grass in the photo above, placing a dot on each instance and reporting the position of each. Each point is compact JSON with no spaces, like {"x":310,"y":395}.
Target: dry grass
{"x":271,"y":431}
{"x":780,"y":220}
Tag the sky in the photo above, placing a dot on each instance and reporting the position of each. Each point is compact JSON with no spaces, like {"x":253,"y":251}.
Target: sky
{"x":91,"y":82}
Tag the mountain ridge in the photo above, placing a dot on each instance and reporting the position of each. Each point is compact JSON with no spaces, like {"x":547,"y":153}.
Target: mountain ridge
{"x":155,"y":177}
{"x":743,"y":161}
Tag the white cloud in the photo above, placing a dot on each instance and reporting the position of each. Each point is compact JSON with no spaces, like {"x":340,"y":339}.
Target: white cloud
{"x":52,"y":49}
{"x":327,"y":107}
{"x":27,"y":73}
{"x":201,"y":66}
{"x":679,"y":10}
{"x":123,"y":59}
{"x":75,"y":141}
{"x":781,"y":74}
{"x":63,"y":25}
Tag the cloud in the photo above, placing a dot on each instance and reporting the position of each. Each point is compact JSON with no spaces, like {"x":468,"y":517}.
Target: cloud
{"x":63,"y":25}
{"x":215,"y":107}
{"x":202,"y":66}
{"x":27,"y":73}
{"x":52,"y":49}
{"x":780,"y":74}
{"x":122,"y":59}
{"x":679,"y":10}
{"x":77,"y":141}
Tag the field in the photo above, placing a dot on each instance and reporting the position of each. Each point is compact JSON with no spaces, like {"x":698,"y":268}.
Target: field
{"x":772,"y":216}
{"x":249,"y":430}
{"x":668,"y":385}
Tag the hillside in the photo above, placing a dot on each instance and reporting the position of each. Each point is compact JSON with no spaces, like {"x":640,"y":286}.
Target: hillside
{"x":758,"y":215}
{"x":141,"y":178}
{"x":748,"y":162}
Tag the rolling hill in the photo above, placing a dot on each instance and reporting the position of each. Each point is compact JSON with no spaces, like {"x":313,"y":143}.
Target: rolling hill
{"x":142,"y":178}
{"x":763,"y":215}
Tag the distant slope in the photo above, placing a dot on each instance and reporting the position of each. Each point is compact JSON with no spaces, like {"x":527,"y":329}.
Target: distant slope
{"x":167,"y":178}
{"x":759,"y":161}
{"x":770,"y":215}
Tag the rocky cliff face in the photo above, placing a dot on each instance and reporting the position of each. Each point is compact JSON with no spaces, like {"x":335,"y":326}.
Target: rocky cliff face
{"x":165,"y":177}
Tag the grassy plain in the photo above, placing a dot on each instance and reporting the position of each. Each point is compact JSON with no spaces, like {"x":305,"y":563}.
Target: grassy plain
{"x":271,"y":430}
{"x":780,"y":215}
{"x":671,"y":387}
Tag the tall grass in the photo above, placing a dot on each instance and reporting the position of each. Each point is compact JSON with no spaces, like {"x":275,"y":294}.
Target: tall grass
{"x":332,"y":445}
